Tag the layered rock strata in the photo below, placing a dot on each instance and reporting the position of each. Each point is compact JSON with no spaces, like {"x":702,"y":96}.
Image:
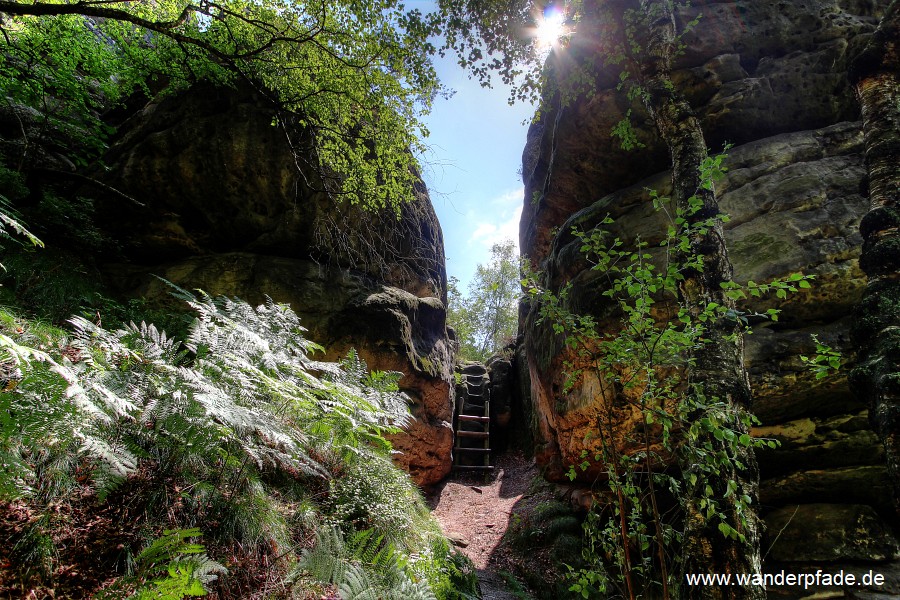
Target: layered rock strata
{"x":770,"y":78}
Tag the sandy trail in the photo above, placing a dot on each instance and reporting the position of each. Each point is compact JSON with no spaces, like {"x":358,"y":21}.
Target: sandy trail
{"x":474,"y":512}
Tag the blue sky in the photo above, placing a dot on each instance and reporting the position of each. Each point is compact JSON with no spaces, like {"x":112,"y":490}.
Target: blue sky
{"x":472,"y":168}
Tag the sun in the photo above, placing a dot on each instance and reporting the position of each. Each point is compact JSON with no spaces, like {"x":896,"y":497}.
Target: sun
{"x":550,"y":27}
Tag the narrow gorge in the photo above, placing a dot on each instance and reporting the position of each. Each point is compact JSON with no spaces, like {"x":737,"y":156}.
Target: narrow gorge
{"x":118,"y":447}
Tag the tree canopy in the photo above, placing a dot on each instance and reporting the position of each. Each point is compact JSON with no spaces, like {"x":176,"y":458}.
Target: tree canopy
{"x":353,"y":76}
{"x":350,"y":79}
{"x":487,"y":319}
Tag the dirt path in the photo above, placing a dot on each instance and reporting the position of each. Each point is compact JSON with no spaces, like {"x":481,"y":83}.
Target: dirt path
{"x":474,"y":511}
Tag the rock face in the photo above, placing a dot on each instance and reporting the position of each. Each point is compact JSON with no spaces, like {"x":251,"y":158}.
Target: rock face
{"x":232,"y":208}
{"x":770,"y":78}
{"x":825,"y":532}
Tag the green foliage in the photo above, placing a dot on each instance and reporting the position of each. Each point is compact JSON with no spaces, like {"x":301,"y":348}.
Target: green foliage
{"x":550,"y":533}
{"x":643,"y":362}
{"x":487,"y":38}
{"x":514,"y":586}
{"x":184,"y":566}
{"x":825,"y":361}
{"x":374,"y":494}
{"x":66,"y":69}
{"x":624,"y":130}
{"x":12,"y":185}
{"x":547,"y":522}
{"x":363,"y":567}
{"x":54,"y":284}
{"x":236,"y":432}
{"x":10,"y":223}
{"x":487,"y":319}
{"x":11,"y":227}
{"x":34,"y":548}
{"x":450,"y":574}
{"x":354,"y":76}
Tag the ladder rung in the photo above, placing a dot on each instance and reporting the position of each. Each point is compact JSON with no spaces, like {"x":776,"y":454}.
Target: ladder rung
{"x":473,"y":434}
{"x":481,"y":450}
{"x":474,"y":418}
{"x":474,"y":467}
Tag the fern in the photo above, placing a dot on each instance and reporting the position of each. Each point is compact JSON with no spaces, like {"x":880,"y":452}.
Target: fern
{"x":234,"y":424}
{"x":357,"y":585}
{"x":363,"y":568}
{"x":326,"y":562}
{"x":10,"y":221}
{"x":52,"y":409}
{"x":185,"y":567}
{"x":169,"y":545}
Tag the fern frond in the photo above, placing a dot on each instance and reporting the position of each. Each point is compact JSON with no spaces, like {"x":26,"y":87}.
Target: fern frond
{"x":186,"y":567}
{"x":357,"y":585}
{"x":364,"y":567}
{"x":9,"y":220}
{"x":325,"y":562}
{"x":168,"y":546}
{"x":116,"y":462}
{"x":411,"y":590}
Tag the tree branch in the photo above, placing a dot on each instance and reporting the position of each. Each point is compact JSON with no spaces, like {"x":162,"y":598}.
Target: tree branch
{"x":91,"y":181}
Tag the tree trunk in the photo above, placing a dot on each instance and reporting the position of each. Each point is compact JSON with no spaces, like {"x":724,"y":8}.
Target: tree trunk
{"x":719,"y":367}
{"x":876,"y":331}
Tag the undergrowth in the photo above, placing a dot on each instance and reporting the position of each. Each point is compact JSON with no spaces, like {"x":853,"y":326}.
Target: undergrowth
{"x":229,"y":462}
{"x":546,"y":538}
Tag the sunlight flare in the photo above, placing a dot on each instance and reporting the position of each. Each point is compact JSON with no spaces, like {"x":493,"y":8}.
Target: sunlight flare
{"x":551,"y":27}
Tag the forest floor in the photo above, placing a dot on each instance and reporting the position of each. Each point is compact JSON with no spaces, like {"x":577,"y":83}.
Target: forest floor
{"x":475,"y":511}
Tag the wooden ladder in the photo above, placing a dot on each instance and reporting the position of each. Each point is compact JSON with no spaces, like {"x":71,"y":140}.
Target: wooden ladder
{"x":473,"y":424}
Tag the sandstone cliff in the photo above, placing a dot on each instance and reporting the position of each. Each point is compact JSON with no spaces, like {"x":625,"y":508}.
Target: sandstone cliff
{"x":231,"y":205}
{"x":769,"y":77}
{"x":231,"y":208}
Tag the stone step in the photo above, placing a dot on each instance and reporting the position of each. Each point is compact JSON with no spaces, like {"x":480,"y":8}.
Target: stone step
{"x":476,"y":450}
{"x":474,"y":467}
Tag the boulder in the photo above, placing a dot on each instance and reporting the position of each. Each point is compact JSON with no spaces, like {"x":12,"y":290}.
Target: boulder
{"x":500,"y":371}
{"x":751,"y":68}
{"x":867,"y":484}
